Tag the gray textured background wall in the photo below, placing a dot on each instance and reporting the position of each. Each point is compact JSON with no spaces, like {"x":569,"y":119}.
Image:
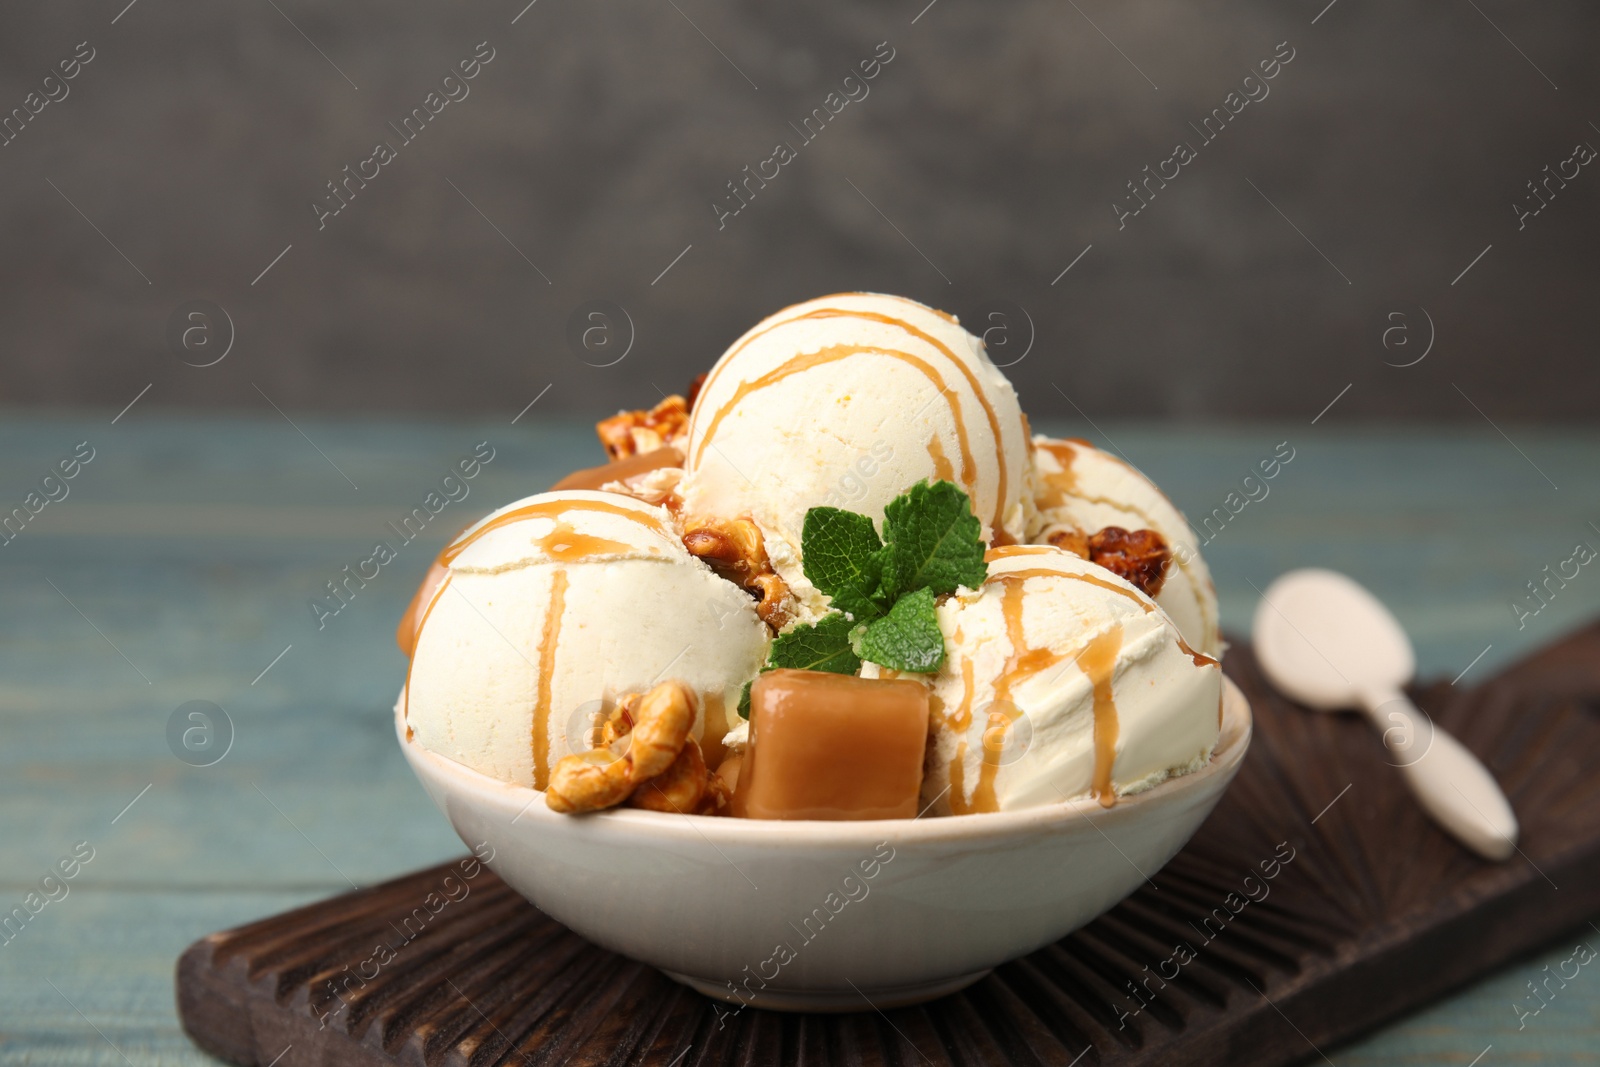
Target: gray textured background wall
{"x":986,"y":158}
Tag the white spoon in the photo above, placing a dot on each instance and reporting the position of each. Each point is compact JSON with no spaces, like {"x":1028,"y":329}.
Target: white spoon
{"x":1326,"y":642}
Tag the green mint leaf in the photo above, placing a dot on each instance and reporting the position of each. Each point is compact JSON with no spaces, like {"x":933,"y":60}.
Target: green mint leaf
{"x":821,"y":646}
{"x":841,"y":552}
{"x":934,"y":541}
{"x":744,"y":701}
{"x":906,"y":639}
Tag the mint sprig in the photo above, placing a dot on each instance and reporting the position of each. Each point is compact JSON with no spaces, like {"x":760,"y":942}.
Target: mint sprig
{"x":884,"y":591}
{"x":820,"y":646}
{"x":908,"y":638}
{"x":935,"y":542}
{"x":843,"y":558}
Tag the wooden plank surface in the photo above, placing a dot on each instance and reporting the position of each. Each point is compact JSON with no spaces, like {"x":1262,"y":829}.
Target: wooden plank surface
{"x":193,"y":546}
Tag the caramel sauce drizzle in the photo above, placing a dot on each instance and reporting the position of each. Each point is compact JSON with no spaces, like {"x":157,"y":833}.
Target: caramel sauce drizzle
{"x":553,"y":509}
{"x":1200,"y":660}
{"x":1007,"y":551}
{"x":958,"y":724}
{"x":566,"y":545}
{"x":941,"y":462}
{"x":1039,"y":572}
{"x":547,"y":664}
{"x":833,"y":354}
{"x":713,"y":727}
{"x":824,"y":312}
{"x":405,"y":712}
{"x":958,"y":783}
{"x":620,"y":470}
{"x":1055,"y":449}
{"x":967,"y":464}
{"x":945,"y":315}
{"x":1147,"y":606}
{"x":1023,"y":662}
{"x":563,"y":544}
{"x":1061,"y":483}
{"x":994,"y":743}
{"x":405,"y":634}
{"x":547,"y":647}
{"x":1083,"y":442}
{"x":1099,"y":662}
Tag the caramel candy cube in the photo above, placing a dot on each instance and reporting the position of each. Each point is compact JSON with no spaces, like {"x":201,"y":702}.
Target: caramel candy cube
{"x":833,"y":746}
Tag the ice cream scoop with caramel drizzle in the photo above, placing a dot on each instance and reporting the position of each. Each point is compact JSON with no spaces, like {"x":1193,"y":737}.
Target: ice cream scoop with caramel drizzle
{"x":846,"y":401}
{"x":1081,"y":491}
{"x":553,"y":608}
{"x":1062,"y":681}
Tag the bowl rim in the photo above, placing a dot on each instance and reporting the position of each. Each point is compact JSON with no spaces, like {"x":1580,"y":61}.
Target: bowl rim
{"x":1232,"y":743}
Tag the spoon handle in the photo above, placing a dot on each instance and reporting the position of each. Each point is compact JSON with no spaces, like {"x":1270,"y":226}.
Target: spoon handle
{"x":1452,"y":785}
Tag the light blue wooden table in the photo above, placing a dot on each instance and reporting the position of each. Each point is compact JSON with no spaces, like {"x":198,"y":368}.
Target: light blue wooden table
{"x":179,"y":567}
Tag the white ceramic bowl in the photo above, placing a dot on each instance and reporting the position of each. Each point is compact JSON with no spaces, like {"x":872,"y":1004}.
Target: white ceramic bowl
{"x":829,"y":916}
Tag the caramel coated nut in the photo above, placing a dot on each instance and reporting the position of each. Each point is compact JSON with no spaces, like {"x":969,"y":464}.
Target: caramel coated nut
{"x":774,"y":605}
{"x":1139,"y":556}
{"x":645,"y":736}
{"x":679,"y":788}
{"x":1069,"y":538}
{"x":661,"y":725}
{"x":631,"y":433}
{"x":589,"y":781}
{"x":733,"y":546}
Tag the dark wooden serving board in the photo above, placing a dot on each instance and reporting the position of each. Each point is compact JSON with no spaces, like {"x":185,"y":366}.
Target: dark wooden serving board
{"x":1377,"y":913}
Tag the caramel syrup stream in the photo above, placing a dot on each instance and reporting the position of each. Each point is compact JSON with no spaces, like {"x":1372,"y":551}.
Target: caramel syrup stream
{"x":438,"y":594}
{"x":1023,"y":662}
{"x":553,"y":509}
{"x":958,"y":724}
{"x":1061,"y":482}
{"x":1200,"y":658}
{"x":1146,"y":605}
{"x":1099,"y":662}
{"x":566,"y":545}
{"x":968,"y":471}
{"x":833,"y":354}
{"x":547,"y":664}
{"x":941,"y":462}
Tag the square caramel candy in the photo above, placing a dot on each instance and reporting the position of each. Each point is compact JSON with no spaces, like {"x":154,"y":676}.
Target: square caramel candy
{"x":833,"y":746}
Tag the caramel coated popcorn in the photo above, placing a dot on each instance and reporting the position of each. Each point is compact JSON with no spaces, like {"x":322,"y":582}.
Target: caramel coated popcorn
{"x":633,"y":433}
{"x":735,"y":550}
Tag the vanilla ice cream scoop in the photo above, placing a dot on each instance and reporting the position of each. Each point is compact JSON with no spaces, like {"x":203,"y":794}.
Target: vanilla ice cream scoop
{"x":846,"y":401}
{"x":1080,"y":487}
{"x":1062,"y":680}
{"x":555,"y":606}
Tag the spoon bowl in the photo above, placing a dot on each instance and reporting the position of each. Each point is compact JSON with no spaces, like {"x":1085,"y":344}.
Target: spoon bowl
{"x":1323,"y":639}
{"x":1326,"y":642}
